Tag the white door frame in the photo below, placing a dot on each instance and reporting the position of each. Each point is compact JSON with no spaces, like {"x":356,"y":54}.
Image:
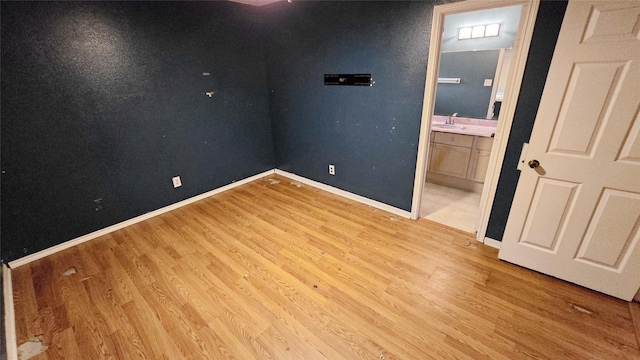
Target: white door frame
{"x":512,"y":91}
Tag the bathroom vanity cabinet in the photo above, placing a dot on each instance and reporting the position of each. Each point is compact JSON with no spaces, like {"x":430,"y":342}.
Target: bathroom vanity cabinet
{"x":450,"y":154}
{"x":460,"y":156}
{"x":479,"y":162}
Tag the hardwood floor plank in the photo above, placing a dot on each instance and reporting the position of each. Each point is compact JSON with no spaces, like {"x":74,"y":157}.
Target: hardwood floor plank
{"x":279,"y":338}
{"x":232,"y":305}
{"x":96,"y":342}
{"x":304,"y":317}
{"x":154,"y":337}
{"x":304,"y":336}
{"x":102,"y":301}
{"x":592,"y":320}
{"x":634,"y":309}
{"x":203,"y":302}
{"x":126,"y":348}
{"x":65,"y":346}
{"x":181,"y":330}
{"x":43,"y":283}
{"x":455,"y":319}
{"x":274,"y":269}
{"x":25,"y":304}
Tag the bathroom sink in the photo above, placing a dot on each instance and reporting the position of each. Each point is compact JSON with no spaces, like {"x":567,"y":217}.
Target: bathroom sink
{"x":448,"y":126}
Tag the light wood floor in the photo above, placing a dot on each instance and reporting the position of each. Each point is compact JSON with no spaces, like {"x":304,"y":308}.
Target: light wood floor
{"x":274,"y":271}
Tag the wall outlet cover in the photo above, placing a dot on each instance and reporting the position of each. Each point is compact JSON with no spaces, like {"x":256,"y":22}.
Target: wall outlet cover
{"x":176,"y":181}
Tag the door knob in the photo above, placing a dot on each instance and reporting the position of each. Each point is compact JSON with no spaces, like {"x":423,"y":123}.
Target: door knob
{"x":534,"y":164}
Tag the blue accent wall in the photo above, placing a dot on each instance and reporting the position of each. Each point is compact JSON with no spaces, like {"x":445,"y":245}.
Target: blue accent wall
{"x":106,"y":100}
{"x":543,"y":43}
{"x":369,"y":133}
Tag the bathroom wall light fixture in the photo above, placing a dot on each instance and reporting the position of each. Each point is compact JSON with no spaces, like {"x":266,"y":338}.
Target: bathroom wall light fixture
{"x":448,"y":80}
{"x":492,"y":30}
{"x":464,"y":33}
{"x":479,"y":31}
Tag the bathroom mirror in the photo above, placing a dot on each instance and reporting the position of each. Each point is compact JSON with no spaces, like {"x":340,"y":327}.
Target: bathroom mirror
{"x":479,"y":61}
{"x":473,"y":95}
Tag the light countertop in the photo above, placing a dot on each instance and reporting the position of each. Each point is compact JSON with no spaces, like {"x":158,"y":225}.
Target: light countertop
{"x":465,"y":126}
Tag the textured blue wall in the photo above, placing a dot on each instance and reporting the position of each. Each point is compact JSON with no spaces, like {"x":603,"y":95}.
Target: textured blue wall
{"x":369,"y":133}
{"x":543,"y":44}
{"x":106,"y":100}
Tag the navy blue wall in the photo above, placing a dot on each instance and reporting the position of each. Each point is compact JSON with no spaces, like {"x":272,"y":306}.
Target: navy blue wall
{"x":106,"y":100}
{"x":470,"y":98}
{"x":369,"y":133}
{"x":543,"y":43}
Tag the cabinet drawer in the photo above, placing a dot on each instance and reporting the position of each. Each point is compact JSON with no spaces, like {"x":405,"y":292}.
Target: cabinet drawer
{"x":453,"y":139}
{"x":484,"y":143}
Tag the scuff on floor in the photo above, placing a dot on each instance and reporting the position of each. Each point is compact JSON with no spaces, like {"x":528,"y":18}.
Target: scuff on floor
{"x":70,"y":271}
{"x":273,"y":181}
{"x":31,"y":348}
{"x":296,"y":183}
{"x":581,"y":309}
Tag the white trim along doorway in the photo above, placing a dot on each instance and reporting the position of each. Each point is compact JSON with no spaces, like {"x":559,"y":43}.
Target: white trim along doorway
{"x":514,"y":81}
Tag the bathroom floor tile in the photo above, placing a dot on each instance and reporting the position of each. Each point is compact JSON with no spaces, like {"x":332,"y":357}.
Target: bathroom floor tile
{"x":449,"y":206}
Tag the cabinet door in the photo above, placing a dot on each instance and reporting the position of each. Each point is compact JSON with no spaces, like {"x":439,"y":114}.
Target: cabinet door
{"x":484,"y":143}
{"x":450,"y":160}
{"x":480,"y":161}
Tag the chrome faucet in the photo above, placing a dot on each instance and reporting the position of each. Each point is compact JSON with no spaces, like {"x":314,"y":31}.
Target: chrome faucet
{"x":449,"y":121}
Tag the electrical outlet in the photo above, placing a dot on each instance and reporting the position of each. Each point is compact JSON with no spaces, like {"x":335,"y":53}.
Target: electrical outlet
{"x":332,"y":169}
{"x":176,"y":182}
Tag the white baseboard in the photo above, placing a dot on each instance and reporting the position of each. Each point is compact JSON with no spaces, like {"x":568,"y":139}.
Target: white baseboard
{"x":346,"y":194}
{"x":492,"y":242}
{"x":79,"y":240}
{"x":9,"y":314}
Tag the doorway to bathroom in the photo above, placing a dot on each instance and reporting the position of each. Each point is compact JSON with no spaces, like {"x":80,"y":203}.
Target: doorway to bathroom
{"x":479,"y":51}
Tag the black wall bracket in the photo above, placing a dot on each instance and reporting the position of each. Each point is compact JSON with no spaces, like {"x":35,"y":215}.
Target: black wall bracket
{"x":348,"y":79}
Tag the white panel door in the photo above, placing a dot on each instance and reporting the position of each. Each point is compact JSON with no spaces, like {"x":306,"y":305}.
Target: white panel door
{"x":576,"y":216}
